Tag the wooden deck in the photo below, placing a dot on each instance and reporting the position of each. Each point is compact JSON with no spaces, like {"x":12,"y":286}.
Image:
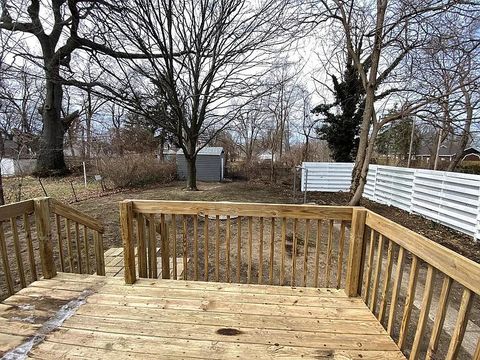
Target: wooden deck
{"x":114,"y":264}
{"x":88,"y":316}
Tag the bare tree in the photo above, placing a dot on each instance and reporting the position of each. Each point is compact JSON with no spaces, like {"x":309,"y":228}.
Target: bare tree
{"x":391,"y":31}
{"x":211,"y":52}
{"x":60,"y":28}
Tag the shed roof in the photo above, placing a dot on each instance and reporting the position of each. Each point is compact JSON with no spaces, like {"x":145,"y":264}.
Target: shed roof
{"x":213,"y":150}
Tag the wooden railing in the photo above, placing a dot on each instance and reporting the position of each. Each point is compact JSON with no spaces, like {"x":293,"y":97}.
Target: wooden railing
{"x":30,"y":248}
{"x":421,"y":292}
{"x":409,"y":282}
{"x":300,"y":245}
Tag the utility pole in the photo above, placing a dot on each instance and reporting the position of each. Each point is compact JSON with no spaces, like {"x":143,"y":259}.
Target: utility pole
{"x":412,"y":135}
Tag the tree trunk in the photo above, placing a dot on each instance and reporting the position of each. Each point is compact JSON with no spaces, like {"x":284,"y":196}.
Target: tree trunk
{"x":161,"y":153}
{"x":50,"y":156}
{"x":465,"y":133}
{"x":2,"y":151}
{"x":88,"y":125}
{"x":191,"y":173}
{"x":357,"y":196}
{"x":363,"y":143}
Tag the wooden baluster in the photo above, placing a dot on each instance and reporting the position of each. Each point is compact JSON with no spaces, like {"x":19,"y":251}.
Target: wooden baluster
{"x":31,"y":254}
{"x":5,"y":262}
{"x":87,"y":253}
{"x":329,"y":253}
{"x":205,"y":236}
{"x":195,"y":247}
{"x":69,"y":244}
{"x":174,"y":244}
{"x":282,"y":255}
{"x":250,"y":249}
{"x":317,"y":251}
{"x":228,"y":236}
{"x":79,"y":250}
{"x":152,"y":248}
{"x":396,"y":290}
{"x":44,"y":236}
{"x":407,"y":311}
{"x":460,"y":325}
{"x":59,"y":239}
{"x":260,"y":252}
{"x":439,"y":317}
{"x":126,"y":226}
{"x":217,"y":248}
{"x":239,"y":247}
{"x":424,"y":311}
{"x":386,"y":283}
{"x":164,"y":248}
{"x":272,"y":249}
{"x":376,"y":279}
{"x":142,"y":246}
{"x":294,"y":251}
{"x":368,"y":274}
{"x":185,"y":248}
{"x":476,"y":356}
{"x":18,"y":251}
{"x":305,"y":251}
{"x":99,"y":254}
{"x":341,"y":246}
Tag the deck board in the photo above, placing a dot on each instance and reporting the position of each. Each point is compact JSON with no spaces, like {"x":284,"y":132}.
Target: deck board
{"x":179,"y":319}
{"x":114,"y":264}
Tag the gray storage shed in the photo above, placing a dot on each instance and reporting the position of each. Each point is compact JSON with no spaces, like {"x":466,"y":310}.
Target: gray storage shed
{"x":210,"y":164}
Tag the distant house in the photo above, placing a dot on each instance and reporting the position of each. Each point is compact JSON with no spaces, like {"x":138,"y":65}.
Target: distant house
{"x":425,"y":152}
{"x":447,"y":153}
{"x":17,"y":159}
{"x":266,"y":156}
{"x":210,"y":164}
{"x":471,"y":154}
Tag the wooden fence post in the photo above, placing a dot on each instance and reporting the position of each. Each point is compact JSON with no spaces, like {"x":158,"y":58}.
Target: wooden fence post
{"x":355,"y":253}
{"x":126,"y":224}
{"x":44,"y":234}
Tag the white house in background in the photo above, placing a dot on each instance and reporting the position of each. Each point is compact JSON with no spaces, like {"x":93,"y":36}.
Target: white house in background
{"x":17,"y":159}
{"x":266,"y":156}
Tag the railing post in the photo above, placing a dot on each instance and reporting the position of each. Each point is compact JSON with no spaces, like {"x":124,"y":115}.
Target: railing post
{"x":44,"y":235}
{"x":355,"y":254}
{"x":126,"y":224}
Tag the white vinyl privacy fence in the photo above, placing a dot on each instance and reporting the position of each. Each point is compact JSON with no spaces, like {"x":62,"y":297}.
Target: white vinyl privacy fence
{"x":448,"y":198}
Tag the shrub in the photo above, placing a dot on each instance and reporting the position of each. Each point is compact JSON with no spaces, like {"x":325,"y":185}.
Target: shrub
{"x":136,"y":170}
